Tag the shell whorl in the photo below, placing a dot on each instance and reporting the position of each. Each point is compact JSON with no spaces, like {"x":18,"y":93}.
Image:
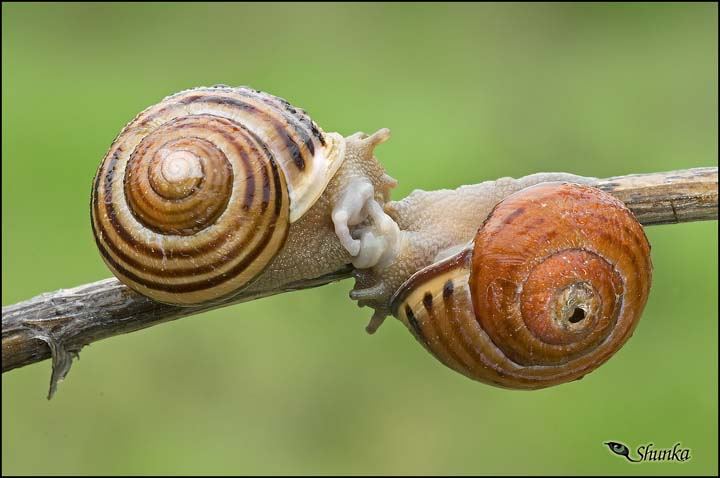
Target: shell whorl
{"x":552,"y":286}
{"x":196,"y":194}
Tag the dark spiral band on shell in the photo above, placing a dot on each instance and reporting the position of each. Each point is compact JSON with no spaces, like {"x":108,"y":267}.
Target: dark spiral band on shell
{"x":553,"y":286}
{"x":192,"y":200}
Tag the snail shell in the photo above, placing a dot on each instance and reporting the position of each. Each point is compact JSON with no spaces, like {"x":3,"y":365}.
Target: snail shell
{"x":551,"y":287}
{"x":196,"y":194}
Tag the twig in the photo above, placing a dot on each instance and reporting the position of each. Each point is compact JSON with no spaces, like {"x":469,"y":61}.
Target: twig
{"x":668,"y":198}
{"x":58,"y":324}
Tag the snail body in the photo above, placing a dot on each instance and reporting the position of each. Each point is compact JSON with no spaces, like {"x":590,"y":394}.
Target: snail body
{"x":552,"y":285}
{"x":197,"y":195}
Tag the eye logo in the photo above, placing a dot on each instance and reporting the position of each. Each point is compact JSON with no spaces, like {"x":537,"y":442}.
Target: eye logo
{"x":650,"y":453}
{"x":620,"y":449}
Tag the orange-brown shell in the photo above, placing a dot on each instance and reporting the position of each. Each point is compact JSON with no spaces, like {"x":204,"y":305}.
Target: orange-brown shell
{"x":196,"y":194}
{"x":553,"y":285}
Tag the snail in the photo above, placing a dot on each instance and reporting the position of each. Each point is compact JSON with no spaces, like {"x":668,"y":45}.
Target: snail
{"x":551,"y":285}
{"x":214,"y":190}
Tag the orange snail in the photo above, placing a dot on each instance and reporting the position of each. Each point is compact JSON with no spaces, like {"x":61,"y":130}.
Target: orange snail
{"x":214,"y":190}
{"x":552,"y":285}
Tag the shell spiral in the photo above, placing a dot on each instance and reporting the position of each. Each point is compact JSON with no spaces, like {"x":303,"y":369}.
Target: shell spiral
{"x":196,"y":194}
{"x":552,"y":286}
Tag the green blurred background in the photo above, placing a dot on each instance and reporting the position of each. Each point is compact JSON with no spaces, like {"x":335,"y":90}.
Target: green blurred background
{"x":292,"y":384}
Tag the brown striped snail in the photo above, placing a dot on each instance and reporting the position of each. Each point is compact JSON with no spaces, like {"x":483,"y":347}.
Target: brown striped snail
{"x":552,"y":284}
{"x":215,"y":189}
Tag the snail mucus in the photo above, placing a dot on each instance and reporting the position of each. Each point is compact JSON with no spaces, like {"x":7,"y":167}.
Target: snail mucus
{"x":519,"y":283}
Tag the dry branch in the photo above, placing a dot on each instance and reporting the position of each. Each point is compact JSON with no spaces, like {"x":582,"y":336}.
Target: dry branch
{"x":58,"y":324}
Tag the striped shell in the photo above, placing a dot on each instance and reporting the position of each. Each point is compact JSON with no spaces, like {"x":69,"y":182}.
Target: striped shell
{"x":196,"y":194}
{"x":552,"y":286}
